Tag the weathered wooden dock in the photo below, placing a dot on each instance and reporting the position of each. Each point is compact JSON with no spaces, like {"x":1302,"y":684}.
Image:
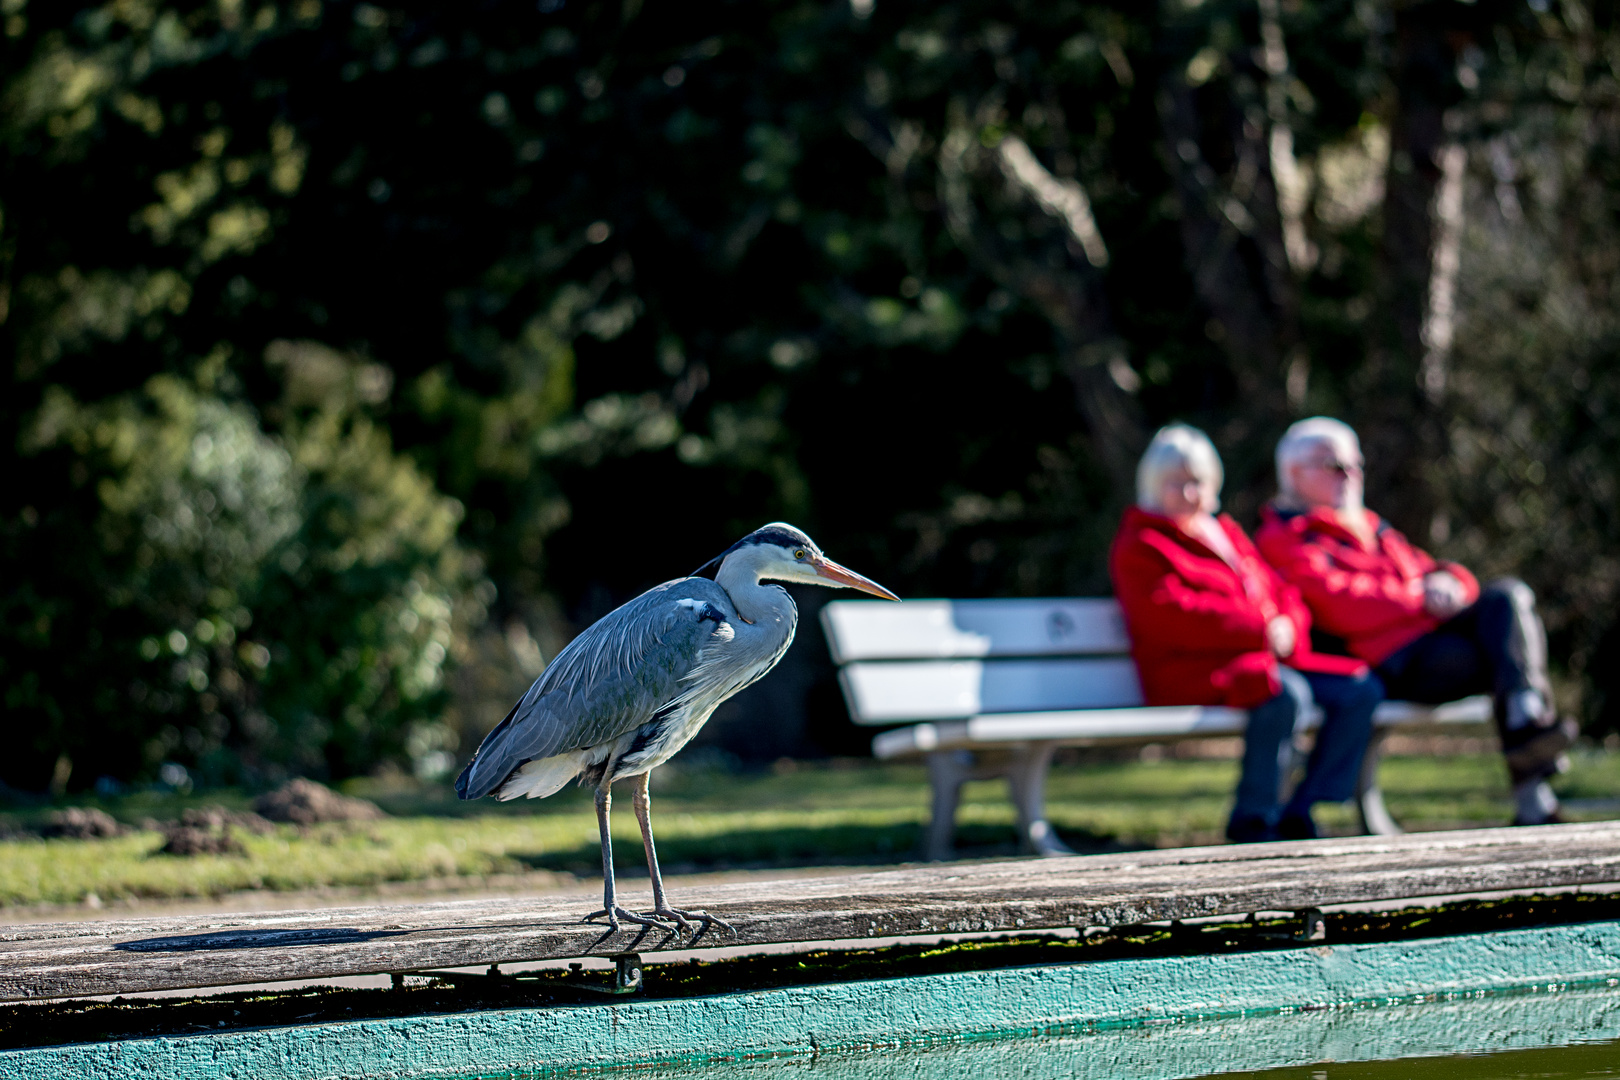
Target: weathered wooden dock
{"x":127,"y":956}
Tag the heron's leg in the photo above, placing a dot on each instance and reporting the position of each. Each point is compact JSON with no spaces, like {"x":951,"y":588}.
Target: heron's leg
{"x":610,"y":898}
{"x":643,"y":804}
{"x":610,"y":890}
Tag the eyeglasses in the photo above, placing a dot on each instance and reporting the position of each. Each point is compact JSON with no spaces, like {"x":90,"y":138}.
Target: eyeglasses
{"x":1335,"y":466}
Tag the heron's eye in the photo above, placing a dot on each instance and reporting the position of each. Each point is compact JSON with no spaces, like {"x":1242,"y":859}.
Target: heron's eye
{"x":799,"y":554}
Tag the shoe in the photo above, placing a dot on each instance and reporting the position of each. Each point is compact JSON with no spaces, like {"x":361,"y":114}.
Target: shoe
{"x":1535,"y":803}
{"x":1527,"y":707}
{"x":1297,"y":827}
{"x":1250,"y":829}
{"x":1533,"y":750}
{"x":1554,"y":818}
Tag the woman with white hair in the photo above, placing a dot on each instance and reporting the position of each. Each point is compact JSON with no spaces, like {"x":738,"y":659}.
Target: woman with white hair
{"x":1212,"y":624}
{"x":1427,"y":628}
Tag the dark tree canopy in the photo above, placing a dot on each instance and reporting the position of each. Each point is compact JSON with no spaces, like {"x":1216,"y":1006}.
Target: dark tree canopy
{"x":360,"y":352}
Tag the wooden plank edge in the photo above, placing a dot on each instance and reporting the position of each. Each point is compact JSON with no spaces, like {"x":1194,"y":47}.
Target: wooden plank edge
{"x":1591,"y":837}
{"x":1595,"y":838}
{"x":110,"y":971}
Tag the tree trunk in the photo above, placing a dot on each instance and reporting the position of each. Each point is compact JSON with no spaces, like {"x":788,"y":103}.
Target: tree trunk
{"x":1070,"y":297}
{"x":1401,"y":426}
{"x":1232,"y":238}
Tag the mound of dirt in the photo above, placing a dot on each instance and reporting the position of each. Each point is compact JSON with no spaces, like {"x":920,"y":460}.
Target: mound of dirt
{"x":217,"y":818}
{"x":81,"y":823}
{"x":179,"y":839}
{"x":206,"y":830}
{"x":304,"y":802}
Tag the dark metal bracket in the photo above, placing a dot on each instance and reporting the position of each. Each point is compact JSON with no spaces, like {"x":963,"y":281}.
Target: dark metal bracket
{"x":1312,"y":927}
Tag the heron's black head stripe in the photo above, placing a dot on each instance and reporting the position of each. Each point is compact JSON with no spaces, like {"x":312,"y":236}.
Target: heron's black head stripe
{"x":783,"y":536}
{"x":776,"y":534}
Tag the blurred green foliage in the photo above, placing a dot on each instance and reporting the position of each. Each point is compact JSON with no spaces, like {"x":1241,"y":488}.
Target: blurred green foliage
{"x":359,"y":352}
{"x":252,"y":605}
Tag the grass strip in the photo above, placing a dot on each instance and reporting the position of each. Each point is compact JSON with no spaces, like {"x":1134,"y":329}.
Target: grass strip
{"x":841,"y":813}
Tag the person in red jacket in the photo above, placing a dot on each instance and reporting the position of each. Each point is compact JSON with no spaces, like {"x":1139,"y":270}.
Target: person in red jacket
{"x":1430,"y":632}
{"x":1211,"y":624}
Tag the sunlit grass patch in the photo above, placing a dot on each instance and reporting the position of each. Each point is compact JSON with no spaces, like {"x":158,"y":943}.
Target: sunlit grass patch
{"x":806,"y":814}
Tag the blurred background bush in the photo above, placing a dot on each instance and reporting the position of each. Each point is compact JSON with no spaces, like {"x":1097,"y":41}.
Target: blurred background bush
{"x":359,"y":354}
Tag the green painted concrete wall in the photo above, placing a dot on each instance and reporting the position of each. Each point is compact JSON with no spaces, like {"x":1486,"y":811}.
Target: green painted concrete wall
{"x":1235,"y":1044}
{"x":1146,"y":1019}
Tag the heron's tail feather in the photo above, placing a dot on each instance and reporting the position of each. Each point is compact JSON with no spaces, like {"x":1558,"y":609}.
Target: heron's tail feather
{"x":489,"y":765}
{"x":542,"y":776}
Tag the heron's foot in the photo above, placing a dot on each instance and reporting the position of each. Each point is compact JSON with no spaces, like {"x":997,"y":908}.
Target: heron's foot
{"x":684,"y":919}
{"x":616,"y":915}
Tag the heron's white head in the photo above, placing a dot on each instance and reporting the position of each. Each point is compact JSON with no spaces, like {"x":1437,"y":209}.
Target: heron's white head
{"x":780,"y":552}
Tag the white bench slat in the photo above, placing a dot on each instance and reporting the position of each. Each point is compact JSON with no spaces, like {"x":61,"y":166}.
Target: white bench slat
{"x":920,"y":629}
{"x":1472,"y":710}
{"x":1138,"y":725}
{"x":890,"y":693}
{"x":1170,"y":722}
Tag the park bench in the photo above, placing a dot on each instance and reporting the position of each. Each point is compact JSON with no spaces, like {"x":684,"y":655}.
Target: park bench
{"x":989,"y":688}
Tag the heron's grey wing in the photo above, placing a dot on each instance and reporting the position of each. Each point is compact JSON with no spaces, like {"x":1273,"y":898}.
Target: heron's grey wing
{"x":610,"y":680}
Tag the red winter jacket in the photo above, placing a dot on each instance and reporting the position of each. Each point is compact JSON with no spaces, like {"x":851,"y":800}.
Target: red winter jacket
{"x":1197,"y":624}
{"x":1370,"y":596}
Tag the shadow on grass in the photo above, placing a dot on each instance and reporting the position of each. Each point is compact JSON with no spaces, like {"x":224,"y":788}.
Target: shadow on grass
{"x":832,"y":845}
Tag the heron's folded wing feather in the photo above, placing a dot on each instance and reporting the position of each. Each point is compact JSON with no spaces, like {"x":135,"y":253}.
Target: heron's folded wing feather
{"x":612,"y":678}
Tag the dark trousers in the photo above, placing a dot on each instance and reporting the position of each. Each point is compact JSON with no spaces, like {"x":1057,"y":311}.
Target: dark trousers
{"x":1497,"y":646}
{"x":1335,"y":762}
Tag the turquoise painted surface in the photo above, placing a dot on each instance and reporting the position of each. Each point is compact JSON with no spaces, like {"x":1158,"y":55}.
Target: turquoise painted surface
{"x":1187,"y":1016}
{"x":1242,"y":1045}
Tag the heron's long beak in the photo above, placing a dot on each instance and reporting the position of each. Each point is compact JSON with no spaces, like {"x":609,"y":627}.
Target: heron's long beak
{"x":839,"y":575}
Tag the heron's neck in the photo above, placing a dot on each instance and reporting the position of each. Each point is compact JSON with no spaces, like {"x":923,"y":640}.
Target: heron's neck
{"x":739,"y":575}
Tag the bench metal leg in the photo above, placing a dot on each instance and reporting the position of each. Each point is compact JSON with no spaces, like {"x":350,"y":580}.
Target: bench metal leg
{"x":1026,"y":786}
{"x":948,"y":770}
{"x":1375,"y":818}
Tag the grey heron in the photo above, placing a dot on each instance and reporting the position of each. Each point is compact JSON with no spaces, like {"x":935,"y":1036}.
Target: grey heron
{"x":637,"y":684}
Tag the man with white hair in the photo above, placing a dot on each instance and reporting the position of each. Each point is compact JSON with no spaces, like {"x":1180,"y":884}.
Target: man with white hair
{"x":1427,"y":628}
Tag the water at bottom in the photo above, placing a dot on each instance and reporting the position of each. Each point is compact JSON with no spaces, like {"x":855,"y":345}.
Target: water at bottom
{"x":1546,"y":1063}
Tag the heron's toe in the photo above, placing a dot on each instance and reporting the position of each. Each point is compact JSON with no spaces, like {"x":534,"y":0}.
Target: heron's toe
{"x":686,"y":918}
{"x":680,"y":918}
{"x":616,"y":915}
{"x":612,"y":919}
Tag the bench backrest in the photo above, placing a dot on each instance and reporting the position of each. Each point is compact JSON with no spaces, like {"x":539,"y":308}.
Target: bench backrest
{"x":952,"y":659}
